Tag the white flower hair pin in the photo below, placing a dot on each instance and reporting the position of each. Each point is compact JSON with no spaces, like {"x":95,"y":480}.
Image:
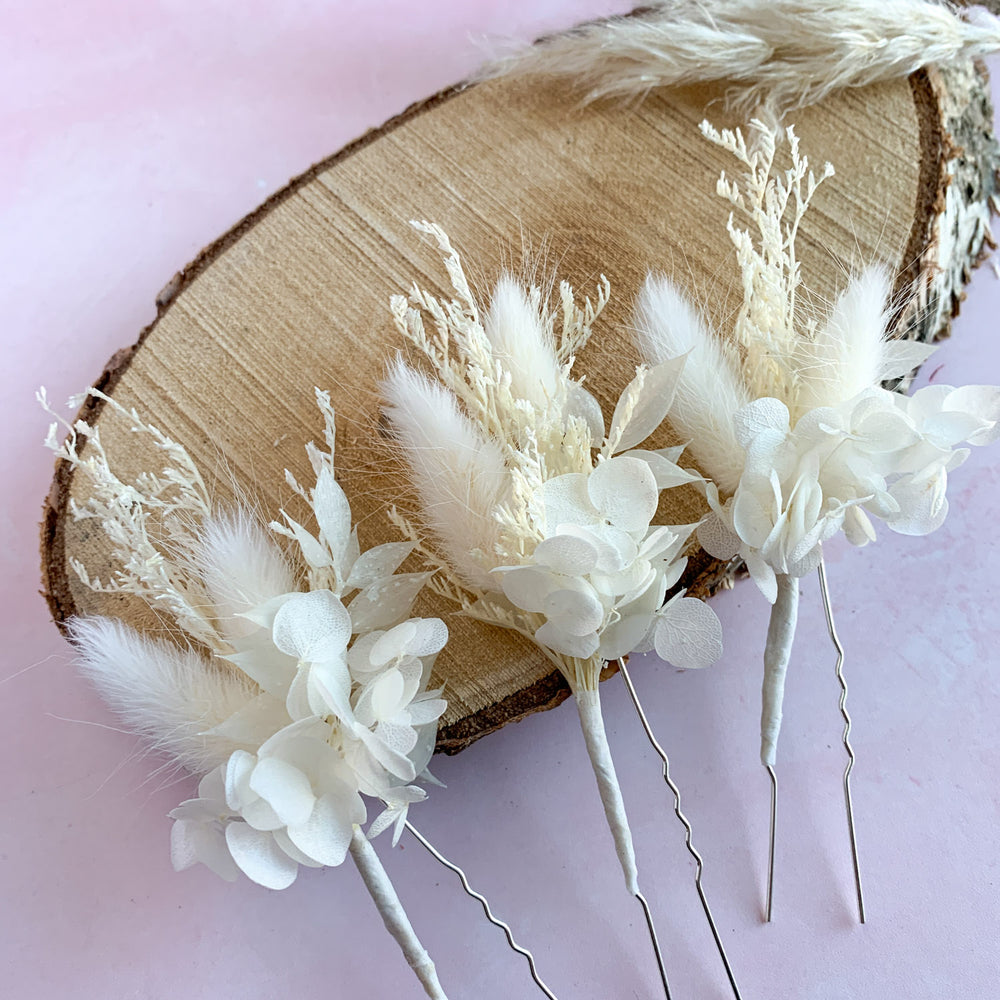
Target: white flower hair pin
{"x":789,"y":418}
{"x":291,"y":724}
{"x":528,"y":530}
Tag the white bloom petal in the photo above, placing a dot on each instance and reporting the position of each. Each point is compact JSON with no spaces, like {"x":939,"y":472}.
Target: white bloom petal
{"x":624,"y":636}
{"x":923,"y":504}
{"x":359,"y":656}
{"x":429,"y":710}
{"x":583,"y":646}
{"x":259,"y":857}
{"x":239,"y":767}
{"x":387,"y":695}
{"x":528,"y":587}
{"x":286,"y":789}
{"x":900,"y":357}
{"x":762,"y":575}
{"x":261,"y":816}
{"x":688,"y":634}
{"x":396,"y":763}
{"x":766,"y":414}
{"x":623,"y":490}
{"x":983,"y":402}
{"x":283,"y":841}
{"x":565,"y":500}
{"x":574,"y":555}
{"x":312,"y":626}
{"x":582,"y":405}
{"x":577,"y":611}
{"x":717,"y":538}
{"x":326,"y":835}
{"x":329,"y":689}
{"x":858,"y":527}
{"x":191,"y":843}
{"x":255,"y":722}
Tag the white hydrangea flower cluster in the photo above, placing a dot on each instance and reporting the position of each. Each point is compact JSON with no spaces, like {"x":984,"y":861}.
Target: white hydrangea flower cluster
{"x":601,"y":572}
{"x":881,"y":454}
{"x":331,"y":724}
{"x":333,"y":720}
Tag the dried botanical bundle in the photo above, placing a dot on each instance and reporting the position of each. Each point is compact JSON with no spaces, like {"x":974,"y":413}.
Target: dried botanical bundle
{"x":779,"y":53}
{"x":788,"y":415}
{"x":529,"y":528}
{"x":296,"y":704}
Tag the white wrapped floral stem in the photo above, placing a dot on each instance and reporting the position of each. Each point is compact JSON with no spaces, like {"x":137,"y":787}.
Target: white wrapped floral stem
{"x":381,"y":889}
{"x":777,"y":651}
{"x":588,"y":704}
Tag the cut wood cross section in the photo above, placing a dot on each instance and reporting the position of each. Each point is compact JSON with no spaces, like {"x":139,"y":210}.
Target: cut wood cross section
{"x":297,"y":295}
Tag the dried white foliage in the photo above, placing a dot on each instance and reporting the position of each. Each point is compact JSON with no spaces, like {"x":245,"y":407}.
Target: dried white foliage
{"x":782,"y":54}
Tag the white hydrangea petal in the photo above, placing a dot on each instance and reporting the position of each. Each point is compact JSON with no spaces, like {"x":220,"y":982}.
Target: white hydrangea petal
{"x":269,"y":668}
{"x":283,"y":841}
{"x":983,"y":402}
{"x":886,"y":432}
{"x":762,"y":575}
{"x":259,"y":857}
{"x":858,"y":528}
{"x":616,"y":548}
{"x":633,"y":579}
{"x":564,"y":500}
{"x":333,"y":514}
{"x":263,"y":614}
{"x":688,"y":634}
{"x":261,"y":816}
{"x":191,"y":843}
{"x":583,"y":646}
{"x":577,"y":611}
{"x":644,"y":403}
{"x":359,"y":656}
{"x":312,"y":626}
{"x":752,"y":521}
{"x":254,"y":722}
{"x":426,"y":711}
{"x":717,"y":538}
{"x":326,"y":835}
{"x":329,"y":689}
{"x":285,"y":788}
{"x":950,"y":427}
{"x":239,"y":767}
{"x":397,"y":736}
{"x":387,"y":694}
{"x":212,"y":786}
{"x":574,"y":555}
{"x":923,"y":504}
{"x":386,"y":602}
{"x":765,"y":414}
{"x":430,"y":638}
{"x":528,"y":587}
{"x":623,"y":490}
{"x":297,"y":703}
{"x":376,"y":563}
{"x":622,"y":637}
{"x":395,"y":763}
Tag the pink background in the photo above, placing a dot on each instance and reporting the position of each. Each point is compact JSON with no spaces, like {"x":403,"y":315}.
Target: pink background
{"x":135,"y":133}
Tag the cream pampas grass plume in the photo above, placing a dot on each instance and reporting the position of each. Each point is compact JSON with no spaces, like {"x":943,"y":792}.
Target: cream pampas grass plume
{"x":780,"y":53}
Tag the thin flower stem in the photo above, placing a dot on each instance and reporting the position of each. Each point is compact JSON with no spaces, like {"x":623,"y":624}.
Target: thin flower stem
{"x":832,"y":628}
{"x":451,"y":866}
{"x":770,"y":840}
{"x":688,"y":832}
{"x":397,"y":923}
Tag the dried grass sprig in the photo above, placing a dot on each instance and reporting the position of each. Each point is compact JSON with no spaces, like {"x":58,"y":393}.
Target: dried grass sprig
{"x":783,"y":54}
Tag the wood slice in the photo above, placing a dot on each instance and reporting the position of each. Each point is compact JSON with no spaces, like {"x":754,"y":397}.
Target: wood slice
{"x":297,"y":294}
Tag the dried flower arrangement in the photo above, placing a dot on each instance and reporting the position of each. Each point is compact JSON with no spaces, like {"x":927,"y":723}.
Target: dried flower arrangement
{"x":537,"y":519}
{"x":789,"y":418}
{"x":295,"y":704}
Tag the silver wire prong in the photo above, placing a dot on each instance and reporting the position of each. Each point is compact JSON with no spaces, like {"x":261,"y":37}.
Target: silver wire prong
{"x":832,"y":628}
{"x":688,"y":833}
{"x":770,"y":839}
{"x":656,"y":943}
{"x":451,"y":866}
